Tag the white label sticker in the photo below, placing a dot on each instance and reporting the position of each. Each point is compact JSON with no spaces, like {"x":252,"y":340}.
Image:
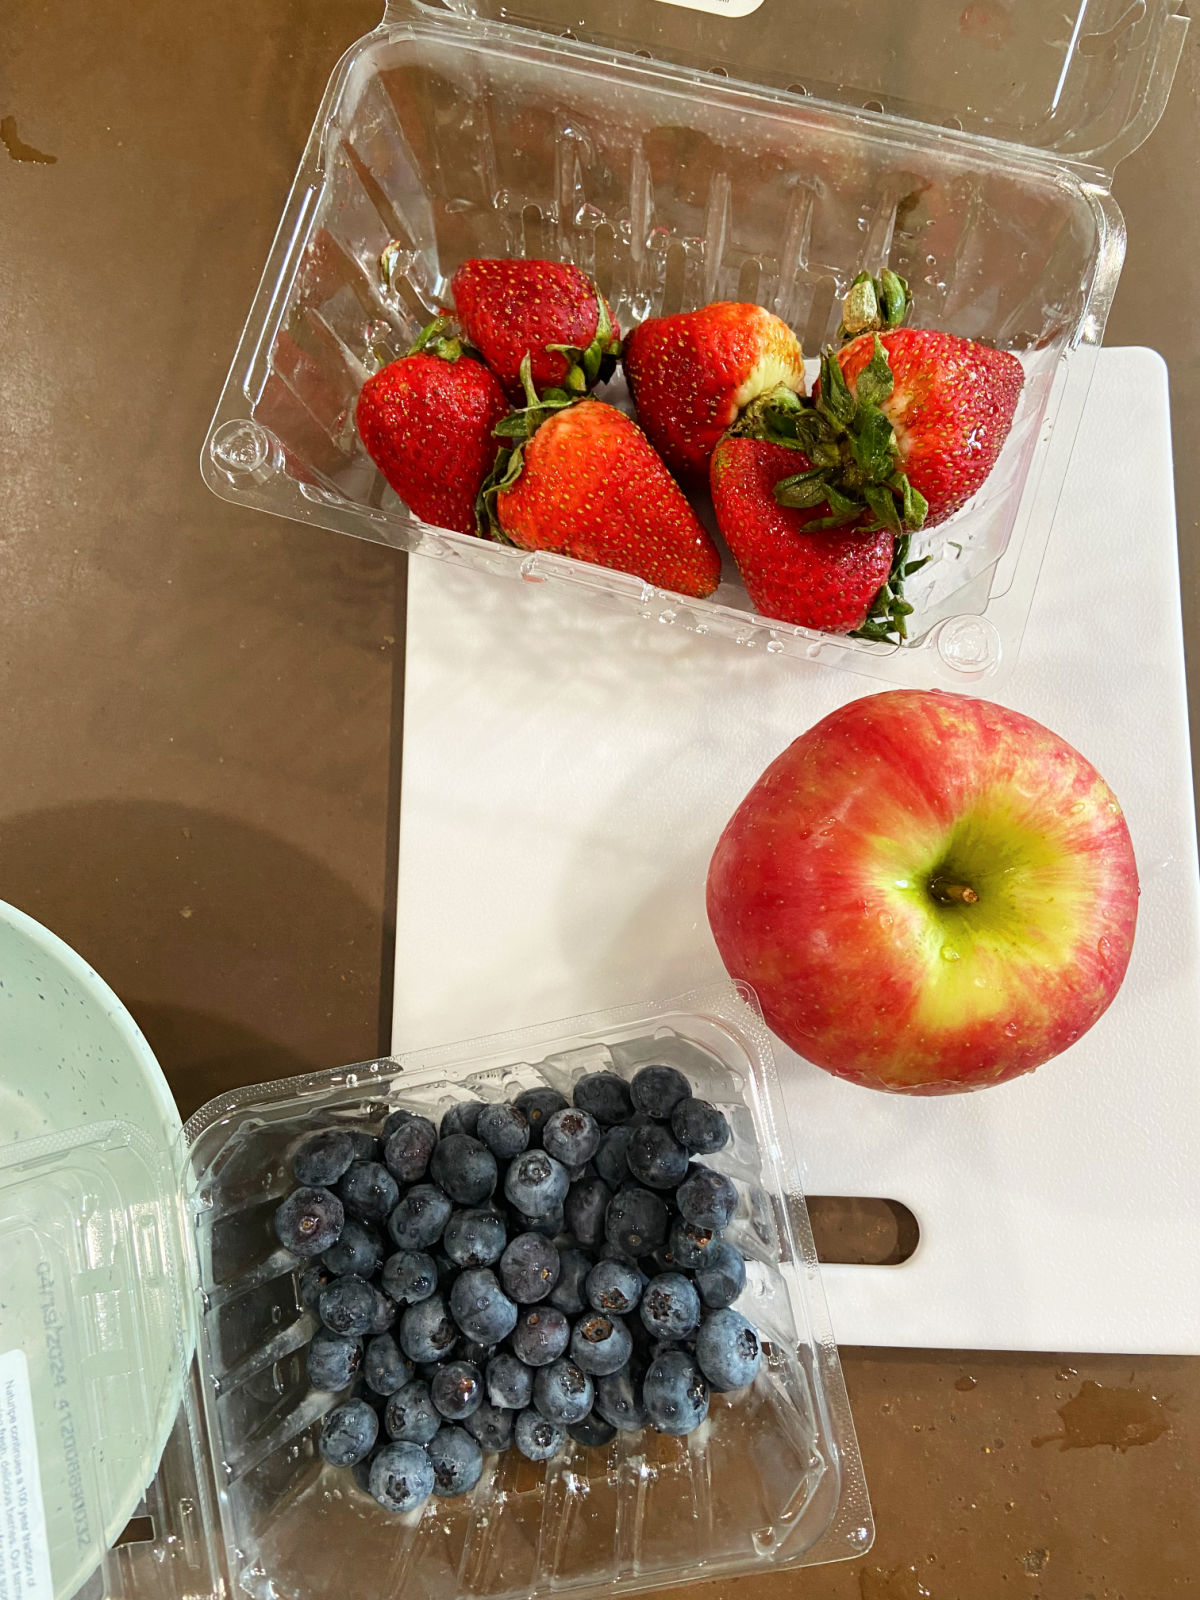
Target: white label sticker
{"x":719,"y":8}
{"x":24,"y":1550}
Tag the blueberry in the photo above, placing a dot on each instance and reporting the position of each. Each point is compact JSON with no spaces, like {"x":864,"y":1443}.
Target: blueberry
{"x":333,"y":1361}
{"x":465,"y":1168}
{"x":722,"y":1277}
{"x":655,"y":1158}
{"x":504,"y":1129}
{"x":395,"y":1119}
{"x":462,"y":1117}
{"x":706,"y":1198}
{"x":409,"y":1276}
{"x":426,"y":1331}
{"x":689,"y":1244}
{"x":728,"y":1350}
{"x":385,"y":1367}
{"x":536,"y":1184}
{"x":480,"y":1306}
{"x":420,"y":1218}
{"x":567,"y":1294}
{"x":491,"y":1427}
{"x":614,"y":1287}
{"x":309,"y":1221}
{"x":366,"y":1145}
{"x":584,"y":1209}
{"x":475,"y":1238}
{"x":550,"y":1226}
{"x":368,"y":1191}
{"x":539,"y":1105}
{"x":571,"y":1136}
{"x":456,"y":1459}
{"x":540,"y":1336}
{"x":348,"y":1433}
{"x":605,"y":1096}
{"x":658,"y":1090}
{"x":411,"y":1414}
{"x":674,"y":1393}
{"x":619,"y":1400}
{"x":600,"y":1344}
{"x":670,"y":1307}
{"x":406,"y":1153}
{"x":347,"y":1307}
{"x":457,"y":1389}
{"x":563,"y":1392}
{"x":358,"y":1251}
{"x":309,"y":1283}
{"x":536,"y":1438}
{"x":529,"y":1268}
{"x":610,"y":1158}
{"x":509,"y":1381}
{"x":636,"y":1221}
{"x":401,"y":1477}
{"x":385,"y":1312}
{"x":593,"y":1431}
{"x":700,"y":1128}
{"x":323,"y":1157}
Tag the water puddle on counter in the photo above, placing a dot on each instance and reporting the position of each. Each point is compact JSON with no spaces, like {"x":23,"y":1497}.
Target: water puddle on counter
{"x":900,"y":1583}
{"x":1120,"y":1418}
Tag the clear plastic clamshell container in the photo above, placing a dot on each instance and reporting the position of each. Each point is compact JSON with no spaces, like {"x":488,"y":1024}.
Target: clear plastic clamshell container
{"x":690,"y":150}
{"x":141,"y":1240}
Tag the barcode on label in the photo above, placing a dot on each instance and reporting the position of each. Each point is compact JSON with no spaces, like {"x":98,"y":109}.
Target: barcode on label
{"x":24,"y":1552}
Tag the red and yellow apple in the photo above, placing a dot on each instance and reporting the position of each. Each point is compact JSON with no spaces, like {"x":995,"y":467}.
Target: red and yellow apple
{"x":927,"y":893}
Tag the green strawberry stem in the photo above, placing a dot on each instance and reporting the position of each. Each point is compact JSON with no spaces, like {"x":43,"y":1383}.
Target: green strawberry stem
{"x":889,"y":610}
{"x":873,"y":305}
{"x":519,"y":427}
{"x":598,"y":362}
{"x":432,"y":340}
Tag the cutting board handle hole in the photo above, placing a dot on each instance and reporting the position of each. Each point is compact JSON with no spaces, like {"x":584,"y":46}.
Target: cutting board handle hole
{"x":860,"y":1231}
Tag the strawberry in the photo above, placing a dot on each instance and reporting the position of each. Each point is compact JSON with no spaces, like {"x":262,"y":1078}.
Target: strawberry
{"x":794,"y":570}
{"x":583,"y":480}
{"x":426,"y":421}
{"x":547,"y":310}
{"x":691,"y":375}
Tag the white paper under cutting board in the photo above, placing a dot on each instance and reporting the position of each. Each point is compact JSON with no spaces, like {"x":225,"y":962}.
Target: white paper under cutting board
{"x":567,"y":771}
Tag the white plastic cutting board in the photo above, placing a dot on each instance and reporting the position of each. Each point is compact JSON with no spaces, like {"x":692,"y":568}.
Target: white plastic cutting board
{"x":567,"y":771}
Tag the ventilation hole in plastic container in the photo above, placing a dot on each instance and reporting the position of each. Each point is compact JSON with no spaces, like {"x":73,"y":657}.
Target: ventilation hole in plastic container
{"x":872,"y":105}
{"x":861,"y":1231}
{"x":138,"y":1530}
{"x":604,"y":260}
{"x":822,"y":316}
{"x":797,"y":88}
{"x":376,"y":195}
{"x":674,"y":277}
{"x":643,"y":55}
{"x":531,"y":225}
{"x":748,"y":280}
{"x":719,"y":71}
{"x":953,"y":123}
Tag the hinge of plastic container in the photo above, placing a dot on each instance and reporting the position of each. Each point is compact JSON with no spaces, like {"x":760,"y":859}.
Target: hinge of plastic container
{"x":542,"y":566}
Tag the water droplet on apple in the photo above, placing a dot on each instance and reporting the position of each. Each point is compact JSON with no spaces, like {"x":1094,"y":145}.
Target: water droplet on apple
{"x":948,"y":954}
{"x":980,"y":983}
{"x":885,"y":919}
{"x":1103,"y":946}
{"x":1010,"y":1029}
{"x":1077,"y":808}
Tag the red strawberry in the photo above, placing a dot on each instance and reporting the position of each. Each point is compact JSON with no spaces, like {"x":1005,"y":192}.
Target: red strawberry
{"x":547,"y":310}
{"x":824,"y":578}
{"x":427,"y":423}
{"x":691,"y":376}
{"x":584,"y":482}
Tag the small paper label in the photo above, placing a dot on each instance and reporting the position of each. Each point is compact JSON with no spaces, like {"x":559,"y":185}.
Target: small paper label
{"x":719,"y":8}
{"x":24,"y":1550}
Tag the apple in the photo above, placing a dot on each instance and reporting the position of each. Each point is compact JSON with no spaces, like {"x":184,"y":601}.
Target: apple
{"x":927,"y":893}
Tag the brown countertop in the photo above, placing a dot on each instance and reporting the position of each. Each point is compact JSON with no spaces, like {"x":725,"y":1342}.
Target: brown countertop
{"x":199,"y":749}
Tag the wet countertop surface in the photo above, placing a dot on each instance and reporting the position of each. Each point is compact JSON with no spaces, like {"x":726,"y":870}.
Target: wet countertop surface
{"x":199,"y":746}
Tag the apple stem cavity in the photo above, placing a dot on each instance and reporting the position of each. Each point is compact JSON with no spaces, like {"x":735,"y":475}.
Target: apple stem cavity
{"x":950,"y":893}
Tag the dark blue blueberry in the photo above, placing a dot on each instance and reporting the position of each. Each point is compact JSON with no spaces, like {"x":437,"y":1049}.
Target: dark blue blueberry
{"x":411,"y":1414}
{"x":670,"y":1307}
{"x":636,"y":1221}
{"x":333,"y":1362}
{"x":358,"y":1251}
{"x":480,"y":1306}
{"x":658,"y":1090}
{"x":706,"y":1198}
{"x":549,"y":1226}
{"x":605,"y":1096}
{"x":674,"y":1393}
{"x":386,"y":1312}
{"x":563,"y":1392}
{"x":491,"y":1427}
{"x":462,"y":1117}
{"x":541,"y":1335}
{"x":366,"y":1145}
{"x":539,"y":1105}
{"x":409,"y":1276}
{"x":465,"y":1168}
{"x":571,"y":1136}
{"x":395,"y":1119}
{"x":614,"y":1287}
{"x":419,"y":1220}
{"x":593,"y":1432}
{"x":619,"y":1400}
{"x":600,"y":1344}
{"x":536,"y":1184}
{"x":368,"y":1191}
{"x":401,"y":1477}
{"x":722,"y":1277}
{"x":457,"y":1389}
{"x":728,"y":1350}
{"x":426,"y":1330}
{"x":385,"y":1367}
{"x":348,"y":1433}
{"x":529,"y":1268}
{"x":536,"y":1438}
{"x":568,"y":1292}
{"x":610,"y":1157}
{"x":689,"y":1244}
{"x":309,"y":1282}
{"x":509,"y":1381}
{"x":456,"y":1459}
{"x":406,"y":1153}
{"x":323,"y":1157}
{"x":309,"y":1221}
{"x":700,"y":1128}
{"x":584,"y":1210}
{"x":474,"y":1238}
{"x":504,"y":1129}
{"x":347,"y":1307}
{"x":655,"y":1158}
